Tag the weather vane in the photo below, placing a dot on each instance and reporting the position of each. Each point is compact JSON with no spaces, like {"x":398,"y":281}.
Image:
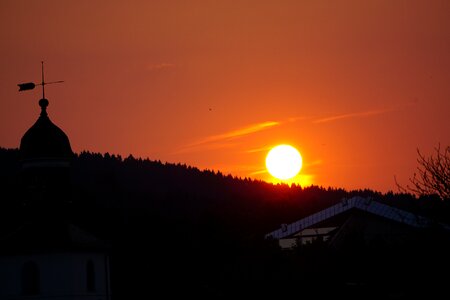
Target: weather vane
{"x":32,"y":85}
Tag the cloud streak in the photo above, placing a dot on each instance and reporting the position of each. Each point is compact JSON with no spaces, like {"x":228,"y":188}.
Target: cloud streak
{"x":352,"y":115}
{"x":258,"y":150}
{"x":160,"y":66}
{"x":215,"y":141}
{"x":237,"y":133}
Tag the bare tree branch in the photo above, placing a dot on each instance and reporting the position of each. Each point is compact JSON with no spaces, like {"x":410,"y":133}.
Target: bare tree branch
{"x":432,"y":176}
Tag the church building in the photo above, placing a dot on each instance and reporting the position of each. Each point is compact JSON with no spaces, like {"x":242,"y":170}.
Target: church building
{"x":43,"y":255}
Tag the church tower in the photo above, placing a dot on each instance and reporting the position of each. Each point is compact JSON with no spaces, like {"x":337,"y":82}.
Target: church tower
{"x":45,"y":154}
{"x":47,"y":256}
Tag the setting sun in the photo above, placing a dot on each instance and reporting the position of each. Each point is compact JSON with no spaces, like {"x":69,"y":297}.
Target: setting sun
{"x":284,"y":162}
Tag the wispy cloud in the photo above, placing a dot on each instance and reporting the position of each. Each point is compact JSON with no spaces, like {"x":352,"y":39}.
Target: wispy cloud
{"x":262,"y":171}
{"x":263,"y":149}
{"x":160,"y":66}
{"x":233,"y":134}
{"x":313,"y":163}
{"x":301,"y":178}
{"x":352,"y":115}
{"x":217,"y":140}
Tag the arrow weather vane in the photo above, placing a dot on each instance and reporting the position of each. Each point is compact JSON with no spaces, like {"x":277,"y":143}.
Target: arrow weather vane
{"x":31,"y":85}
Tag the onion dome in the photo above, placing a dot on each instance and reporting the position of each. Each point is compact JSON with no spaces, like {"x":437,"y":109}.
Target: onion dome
{"x":44,"y":141}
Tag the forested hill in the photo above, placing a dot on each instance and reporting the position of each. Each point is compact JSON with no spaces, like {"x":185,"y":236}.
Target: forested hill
{"x":171,"y":225}
{"x":120,"y":189}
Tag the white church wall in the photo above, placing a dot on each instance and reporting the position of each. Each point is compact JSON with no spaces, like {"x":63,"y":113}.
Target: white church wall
{"x":61,"y":276}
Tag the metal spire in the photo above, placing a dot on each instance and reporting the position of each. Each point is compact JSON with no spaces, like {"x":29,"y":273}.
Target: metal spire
{"x":43,"y":82}
{"x":32,"y":85}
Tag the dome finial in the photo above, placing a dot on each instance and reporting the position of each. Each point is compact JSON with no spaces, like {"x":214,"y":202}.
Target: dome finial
{"x":43,"y":103}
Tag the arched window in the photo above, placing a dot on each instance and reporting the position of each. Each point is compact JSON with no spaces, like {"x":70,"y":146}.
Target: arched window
{"x":30,"y":279}
{"x":90,"y":276}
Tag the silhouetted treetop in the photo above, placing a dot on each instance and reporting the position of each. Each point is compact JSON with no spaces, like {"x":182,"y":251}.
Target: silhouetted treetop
{"x":175,"y":190}
{"x":432,"y":176}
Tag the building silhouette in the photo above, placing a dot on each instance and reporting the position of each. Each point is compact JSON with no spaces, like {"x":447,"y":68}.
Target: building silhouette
{"x":43,"y":255}
{"x":357,"y":219}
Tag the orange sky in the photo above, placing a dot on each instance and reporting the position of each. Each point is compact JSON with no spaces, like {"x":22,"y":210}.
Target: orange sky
{"x":356,"y":86}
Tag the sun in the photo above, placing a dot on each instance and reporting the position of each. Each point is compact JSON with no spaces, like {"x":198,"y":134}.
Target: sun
{"x":284,"y":162}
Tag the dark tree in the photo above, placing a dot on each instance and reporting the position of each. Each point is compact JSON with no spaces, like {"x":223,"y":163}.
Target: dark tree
{"x":432,"y":176}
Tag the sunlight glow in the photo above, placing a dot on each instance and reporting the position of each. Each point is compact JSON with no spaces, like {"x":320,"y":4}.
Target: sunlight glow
{"x":284,"y":162}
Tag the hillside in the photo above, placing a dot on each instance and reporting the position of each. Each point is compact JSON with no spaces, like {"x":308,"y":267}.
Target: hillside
{"x":176,"y":222}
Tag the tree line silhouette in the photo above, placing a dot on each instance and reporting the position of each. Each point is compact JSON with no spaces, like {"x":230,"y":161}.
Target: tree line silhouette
{"x":203,"y":231}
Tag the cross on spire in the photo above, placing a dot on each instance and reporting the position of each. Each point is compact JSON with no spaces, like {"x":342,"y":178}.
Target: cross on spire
{"x":32,"y":85}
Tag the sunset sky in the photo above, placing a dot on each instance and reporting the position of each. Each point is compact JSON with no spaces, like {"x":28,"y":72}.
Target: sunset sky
{"x":356,"y":86}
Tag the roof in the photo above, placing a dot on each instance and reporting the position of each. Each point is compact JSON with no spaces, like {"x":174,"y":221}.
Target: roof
{"x":38,"y":237}
{"x":45,"y":140}
{"x":364,"y":204}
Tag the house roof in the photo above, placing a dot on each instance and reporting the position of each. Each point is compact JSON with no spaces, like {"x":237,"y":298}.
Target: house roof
{"x":364,"y":204}
{"x":38,"y":237}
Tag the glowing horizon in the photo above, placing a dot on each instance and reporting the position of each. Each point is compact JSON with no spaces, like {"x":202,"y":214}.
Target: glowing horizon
{"x":356,"y":85}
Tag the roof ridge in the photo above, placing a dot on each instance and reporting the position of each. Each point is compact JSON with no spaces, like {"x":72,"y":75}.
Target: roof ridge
{"x":364,"y":204}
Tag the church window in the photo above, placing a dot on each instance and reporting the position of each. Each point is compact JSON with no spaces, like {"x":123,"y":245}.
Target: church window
{"x":90,"y":276}
{"x":30,"y":279}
